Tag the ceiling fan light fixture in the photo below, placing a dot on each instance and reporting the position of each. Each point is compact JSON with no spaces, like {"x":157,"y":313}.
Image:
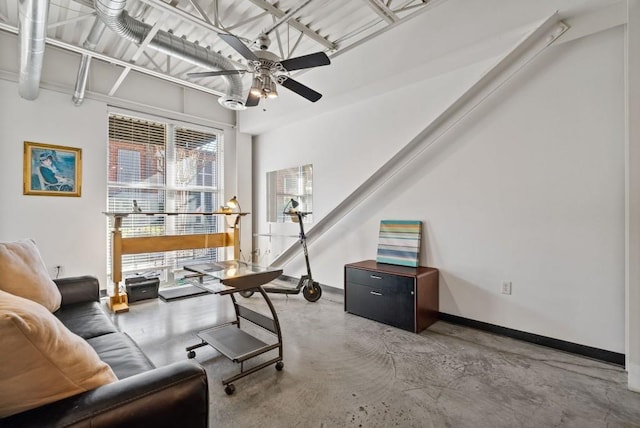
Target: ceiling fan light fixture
{"x":266,"y":85}
{"x":256,"y":87}
{"x":273,"y":91}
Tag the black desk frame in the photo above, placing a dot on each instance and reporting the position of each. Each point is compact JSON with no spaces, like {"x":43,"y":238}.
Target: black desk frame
{"x":236,"y":344}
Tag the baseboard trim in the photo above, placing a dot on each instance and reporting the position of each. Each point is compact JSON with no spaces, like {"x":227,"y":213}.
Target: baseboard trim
{"x":574,"y":348}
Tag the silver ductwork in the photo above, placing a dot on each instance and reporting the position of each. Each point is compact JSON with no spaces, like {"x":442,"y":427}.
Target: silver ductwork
{"x":83,"y":71}
{"x":32,"y":28}
{"x":112,"y":13}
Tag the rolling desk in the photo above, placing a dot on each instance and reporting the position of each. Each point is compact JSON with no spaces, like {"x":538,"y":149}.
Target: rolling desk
{"x":228,"y":338}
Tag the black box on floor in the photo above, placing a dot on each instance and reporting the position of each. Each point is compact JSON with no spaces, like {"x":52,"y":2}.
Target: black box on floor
{"x":142,"y":290}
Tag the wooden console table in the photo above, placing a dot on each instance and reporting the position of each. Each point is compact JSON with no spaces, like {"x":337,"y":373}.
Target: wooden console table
{"x":404,"y":297}
{"x":154,"y":244}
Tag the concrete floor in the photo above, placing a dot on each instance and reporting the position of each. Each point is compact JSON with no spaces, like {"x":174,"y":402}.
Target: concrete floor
{"x":345,"y":371}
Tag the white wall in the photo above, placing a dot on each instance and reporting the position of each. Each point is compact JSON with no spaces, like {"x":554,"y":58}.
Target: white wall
{"x":530,"y":189}
{"x":71,"y":232}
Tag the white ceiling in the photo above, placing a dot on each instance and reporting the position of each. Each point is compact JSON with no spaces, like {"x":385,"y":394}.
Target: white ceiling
{"x":332,"y":26}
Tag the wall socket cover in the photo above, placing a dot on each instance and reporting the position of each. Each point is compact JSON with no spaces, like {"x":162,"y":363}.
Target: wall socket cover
{"x":506,"y":287}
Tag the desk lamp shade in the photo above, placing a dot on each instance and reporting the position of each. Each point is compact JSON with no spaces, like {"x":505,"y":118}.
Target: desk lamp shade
{"x":399,"y":242}
{"x":234,"y":204}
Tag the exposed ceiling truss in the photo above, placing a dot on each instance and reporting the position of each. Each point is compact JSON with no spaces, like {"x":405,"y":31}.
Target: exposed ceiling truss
{"x":332,"y":26}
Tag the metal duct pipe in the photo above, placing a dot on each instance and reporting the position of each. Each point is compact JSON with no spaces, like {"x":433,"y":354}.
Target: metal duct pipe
{"x":32,"y":28}
{"x":112,"y":13}
{"x":83,"y":70}
{"x":81,"y":80}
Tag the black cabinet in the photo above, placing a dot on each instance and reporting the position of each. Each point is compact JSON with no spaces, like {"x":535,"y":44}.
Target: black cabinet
{"x":399,"y":296}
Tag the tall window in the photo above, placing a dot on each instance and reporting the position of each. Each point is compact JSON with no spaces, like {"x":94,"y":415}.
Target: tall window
{"x":163,"y":167}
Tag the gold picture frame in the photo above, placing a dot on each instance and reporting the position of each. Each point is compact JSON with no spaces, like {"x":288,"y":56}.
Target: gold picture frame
{"x":52,"y":170}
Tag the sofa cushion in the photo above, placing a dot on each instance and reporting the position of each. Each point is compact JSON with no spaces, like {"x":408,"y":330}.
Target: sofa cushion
{"x":24,"y":274}
{"x":86,"y":319}
{"x":121,"y":353}
{"x":41,"y":360}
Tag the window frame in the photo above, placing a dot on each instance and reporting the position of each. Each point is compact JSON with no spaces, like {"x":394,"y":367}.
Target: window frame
{"x":172,"y":192}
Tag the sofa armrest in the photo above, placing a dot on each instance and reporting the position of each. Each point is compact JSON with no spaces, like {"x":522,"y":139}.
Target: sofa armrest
{"x":78,"y":289}
{"x":169,"y":396}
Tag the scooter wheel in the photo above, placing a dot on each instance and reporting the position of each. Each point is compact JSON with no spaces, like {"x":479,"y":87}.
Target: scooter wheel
{"x":312,"y":292}
{"x":246,"y":293}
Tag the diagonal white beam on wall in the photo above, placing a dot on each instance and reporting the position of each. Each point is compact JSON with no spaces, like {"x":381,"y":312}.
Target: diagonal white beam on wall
{"x":525,"y":51}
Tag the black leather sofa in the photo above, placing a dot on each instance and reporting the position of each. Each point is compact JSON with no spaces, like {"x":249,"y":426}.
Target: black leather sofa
{"x":176,"y":395}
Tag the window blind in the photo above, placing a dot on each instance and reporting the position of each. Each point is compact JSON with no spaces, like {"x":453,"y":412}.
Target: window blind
{"x":163,"y":167}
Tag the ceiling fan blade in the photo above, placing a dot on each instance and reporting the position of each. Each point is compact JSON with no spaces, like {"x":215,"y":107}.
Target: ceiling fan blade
{"x":216,"y":73}
{"x":237,"y":44}
{"x":252,"y":100}
{"x":301,"y":90}
{"x":306,"y":61}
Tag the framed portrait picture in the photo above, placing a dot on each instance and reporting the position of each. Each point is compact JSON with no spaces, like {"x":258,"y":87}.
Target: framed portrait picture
{"x":52,"y":170}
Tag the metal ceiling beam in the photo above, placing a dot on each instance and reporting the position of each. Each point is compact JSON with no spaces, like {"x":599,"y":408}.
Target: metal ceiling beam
{"x":425,"y":6}
{"x":166,"y":7}
{"x":295,"y":24}
{"x":152,"y":61}
{"x":382,"y":11}
{"x":286,"y":17}
{"x":247,"y":21}
{"x":216,"y":13}
{"x":71,"y":20}
{"x":295,"y":45}
{"x":201,"y":11}
{"x":116,"y":61}
{"x":145,"y":43}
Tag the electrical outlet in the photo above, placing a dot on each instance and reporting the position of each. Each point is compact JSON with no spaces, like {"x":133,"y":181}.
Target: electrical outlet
{"x":506,"y":287}
{"x":57,"y":271}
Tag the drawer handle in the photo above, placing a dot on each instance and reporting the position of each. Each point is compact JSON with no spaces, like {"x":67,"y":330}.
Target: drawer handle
{"x":376,"y":277}
{"x":375,"y":293}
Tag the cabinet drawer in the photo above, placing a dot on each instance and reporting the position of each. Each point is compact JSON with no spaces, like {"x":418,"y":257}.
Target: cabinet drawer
{"x":400,"y":296}
{"x":390,"y":282}
{"x":394,"y":308}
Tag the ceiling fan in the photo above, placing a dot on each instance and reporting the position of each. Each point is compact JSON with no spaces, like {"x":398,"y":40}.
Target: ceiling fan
{"x":268,"y":70}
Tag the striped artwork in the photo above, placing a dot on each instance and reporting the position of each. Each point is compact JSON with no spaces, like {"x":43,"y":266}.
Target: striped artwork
{"x":399,"y":242}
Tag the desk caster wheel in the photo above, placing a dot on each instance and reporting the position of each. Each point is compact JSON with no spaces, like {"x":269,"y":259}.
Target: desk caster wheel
{"x":191,"y":354}
{"x":230,"y":389}
{"x":246,"y":293}
{"x":279,"y":365}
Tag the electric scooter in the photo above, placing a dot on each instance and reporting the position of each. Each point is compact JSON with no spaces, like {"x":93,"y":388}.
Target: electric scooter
{"x":310,"y":289}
